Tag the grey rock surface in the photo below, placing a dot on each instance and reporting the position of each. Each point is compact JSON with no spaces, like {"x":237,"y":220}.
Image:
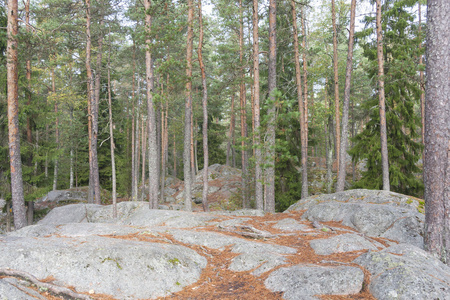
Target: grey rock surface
{"x":9,"y":291}
{"x":262,"y":256}
{"x":308,"y":281}
{"x":359,"y":196}
{"x":289,"y":224}
{"x":23,"y":286}
{"x":406,"y":272}
{"x":72,"y":213}
{"x":96,"y":263}
{"x":343,"y":243}
{"x":375,"y":213}
{"x":143,"y":216}
{"x":64,"y":195}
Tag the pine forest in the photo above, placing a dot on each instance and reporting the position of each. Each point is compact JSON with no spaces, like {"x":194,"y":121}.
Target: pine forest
{"x":302,"y":96}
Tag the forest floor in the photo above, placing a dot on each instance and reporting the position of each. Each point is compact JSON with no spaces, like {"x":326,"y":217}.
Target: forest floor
{"x":218,"y":282}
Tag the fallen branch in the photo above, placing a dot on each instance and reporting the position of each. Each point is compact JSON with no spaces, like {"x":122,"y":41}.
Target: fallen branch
{"x":250,"y":231}
{"x":57,"y":290}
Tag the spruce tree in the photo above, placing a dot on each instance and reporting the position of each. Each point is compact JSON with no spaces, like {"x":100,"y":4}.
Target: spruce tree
{"x":401,"y":50}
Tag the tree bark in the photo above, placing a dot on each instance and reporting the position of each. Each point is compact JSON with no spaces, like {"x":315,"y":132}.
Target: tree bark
{"x":348,"y":76}
{"x":305,"y":78}
{"x":336,"y":83}
{"x":272,"y":85}
{"x":230,"y":143}
{"x":383,"y":134}
{"x":92,"y":136}
{"x":28,"y":76}
{"x":144,"y":157}
{"x":205,"y":112}
{"x":437,"y":133}
{"x":257,"y":132}
{"x":133,"y":124}
{"x":298,"y":80}
{"x":187,"y":113}
{"x":111,"y":134}
{"x":55,"y":170}
{"x":152,"y":142}
{"x":243,"y":103}
{"x":422,"y":83}
{"x":95,"y":117}
{"x":13,"y":117}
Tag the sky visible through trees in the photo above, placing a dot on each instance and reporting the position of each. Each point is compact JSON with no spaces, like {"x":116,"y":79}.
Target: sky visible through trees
{"x":141,"y":57}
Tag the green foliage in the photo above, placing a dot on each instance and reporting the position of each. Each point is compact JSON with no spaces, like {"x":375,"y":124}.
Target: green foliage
{"x":401,"y":49}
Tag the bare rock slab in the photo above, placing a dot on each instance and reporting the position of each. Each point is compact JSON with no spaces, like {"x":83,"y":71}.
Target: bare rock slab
{"x":406,"y":272}
{"x":124,"y":268}
{"x":374,"y":213}
{"x":309,"y":281}
{"x":289,"y":224}
{"x":343,"y":243}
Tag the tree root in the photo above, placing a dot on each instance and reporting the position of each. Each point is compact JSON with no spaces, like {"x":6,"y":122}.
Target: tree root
{"x":57,"y":290}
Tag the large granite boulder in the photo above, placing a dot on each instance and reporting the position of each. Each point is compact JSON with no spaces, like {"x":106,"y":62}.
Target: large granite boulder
{"x":374,"y":213}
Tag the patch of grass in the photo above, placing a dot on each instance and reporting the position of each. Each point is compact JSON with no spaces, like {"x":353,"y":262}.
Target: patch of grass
{"x":112,"y":259}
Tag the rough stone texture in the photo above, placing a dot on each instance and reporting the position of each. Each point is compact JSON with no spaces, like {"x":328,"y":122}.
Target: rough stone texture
{"x":406,"y":272}
{"x":290,"y":224}
{"x":359,"y":196}
{"x":143,"y":216}
{"x":96,"y":263}
{"x":242,"y":212}
{"x":253,"y":254}
{"x":375,"y":213}
{"x":23,"y":286}
{"x":307,"y":281}
{"x":343,"y":243}
{"x":72,"y":213}
{"x":54,"y":197}
{"x":9,"y":291}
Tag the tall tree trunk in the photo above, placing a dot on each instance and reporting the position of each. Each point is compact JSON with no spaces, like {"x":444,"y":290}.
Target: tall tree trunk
{"x":422,"y":83}
{"x":164,"y":118}
{"x":329,"y":141}
{"x":272,"y":85}
{"x":243,"y":103}
{"x":205,"y":111}
{"x":193,"y":154}
{"x":303,"y":133}
{"x":133,"y":124}
{"x":336,"y":84}
{"x":13,"y":117}
{"x":174,"y":156}
{"x":305,"y":78}
{"x":144,"y":156}
{"x":257,"y":131}
{"x":28,"y":76}
{"x":55,"y":171}
{"x":383,"y":134}
{"x":136,"y":155}
{"x":348,"y":76}
{"x":230,"y":143}
{"x":437,"y":133}
{"x":111,"y":134}
{"x":71,"y":178}
{"x":92,"y":114}
{"x":187,"y":113}
{"x":95,"y":117}
{"x":152,"y":142}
